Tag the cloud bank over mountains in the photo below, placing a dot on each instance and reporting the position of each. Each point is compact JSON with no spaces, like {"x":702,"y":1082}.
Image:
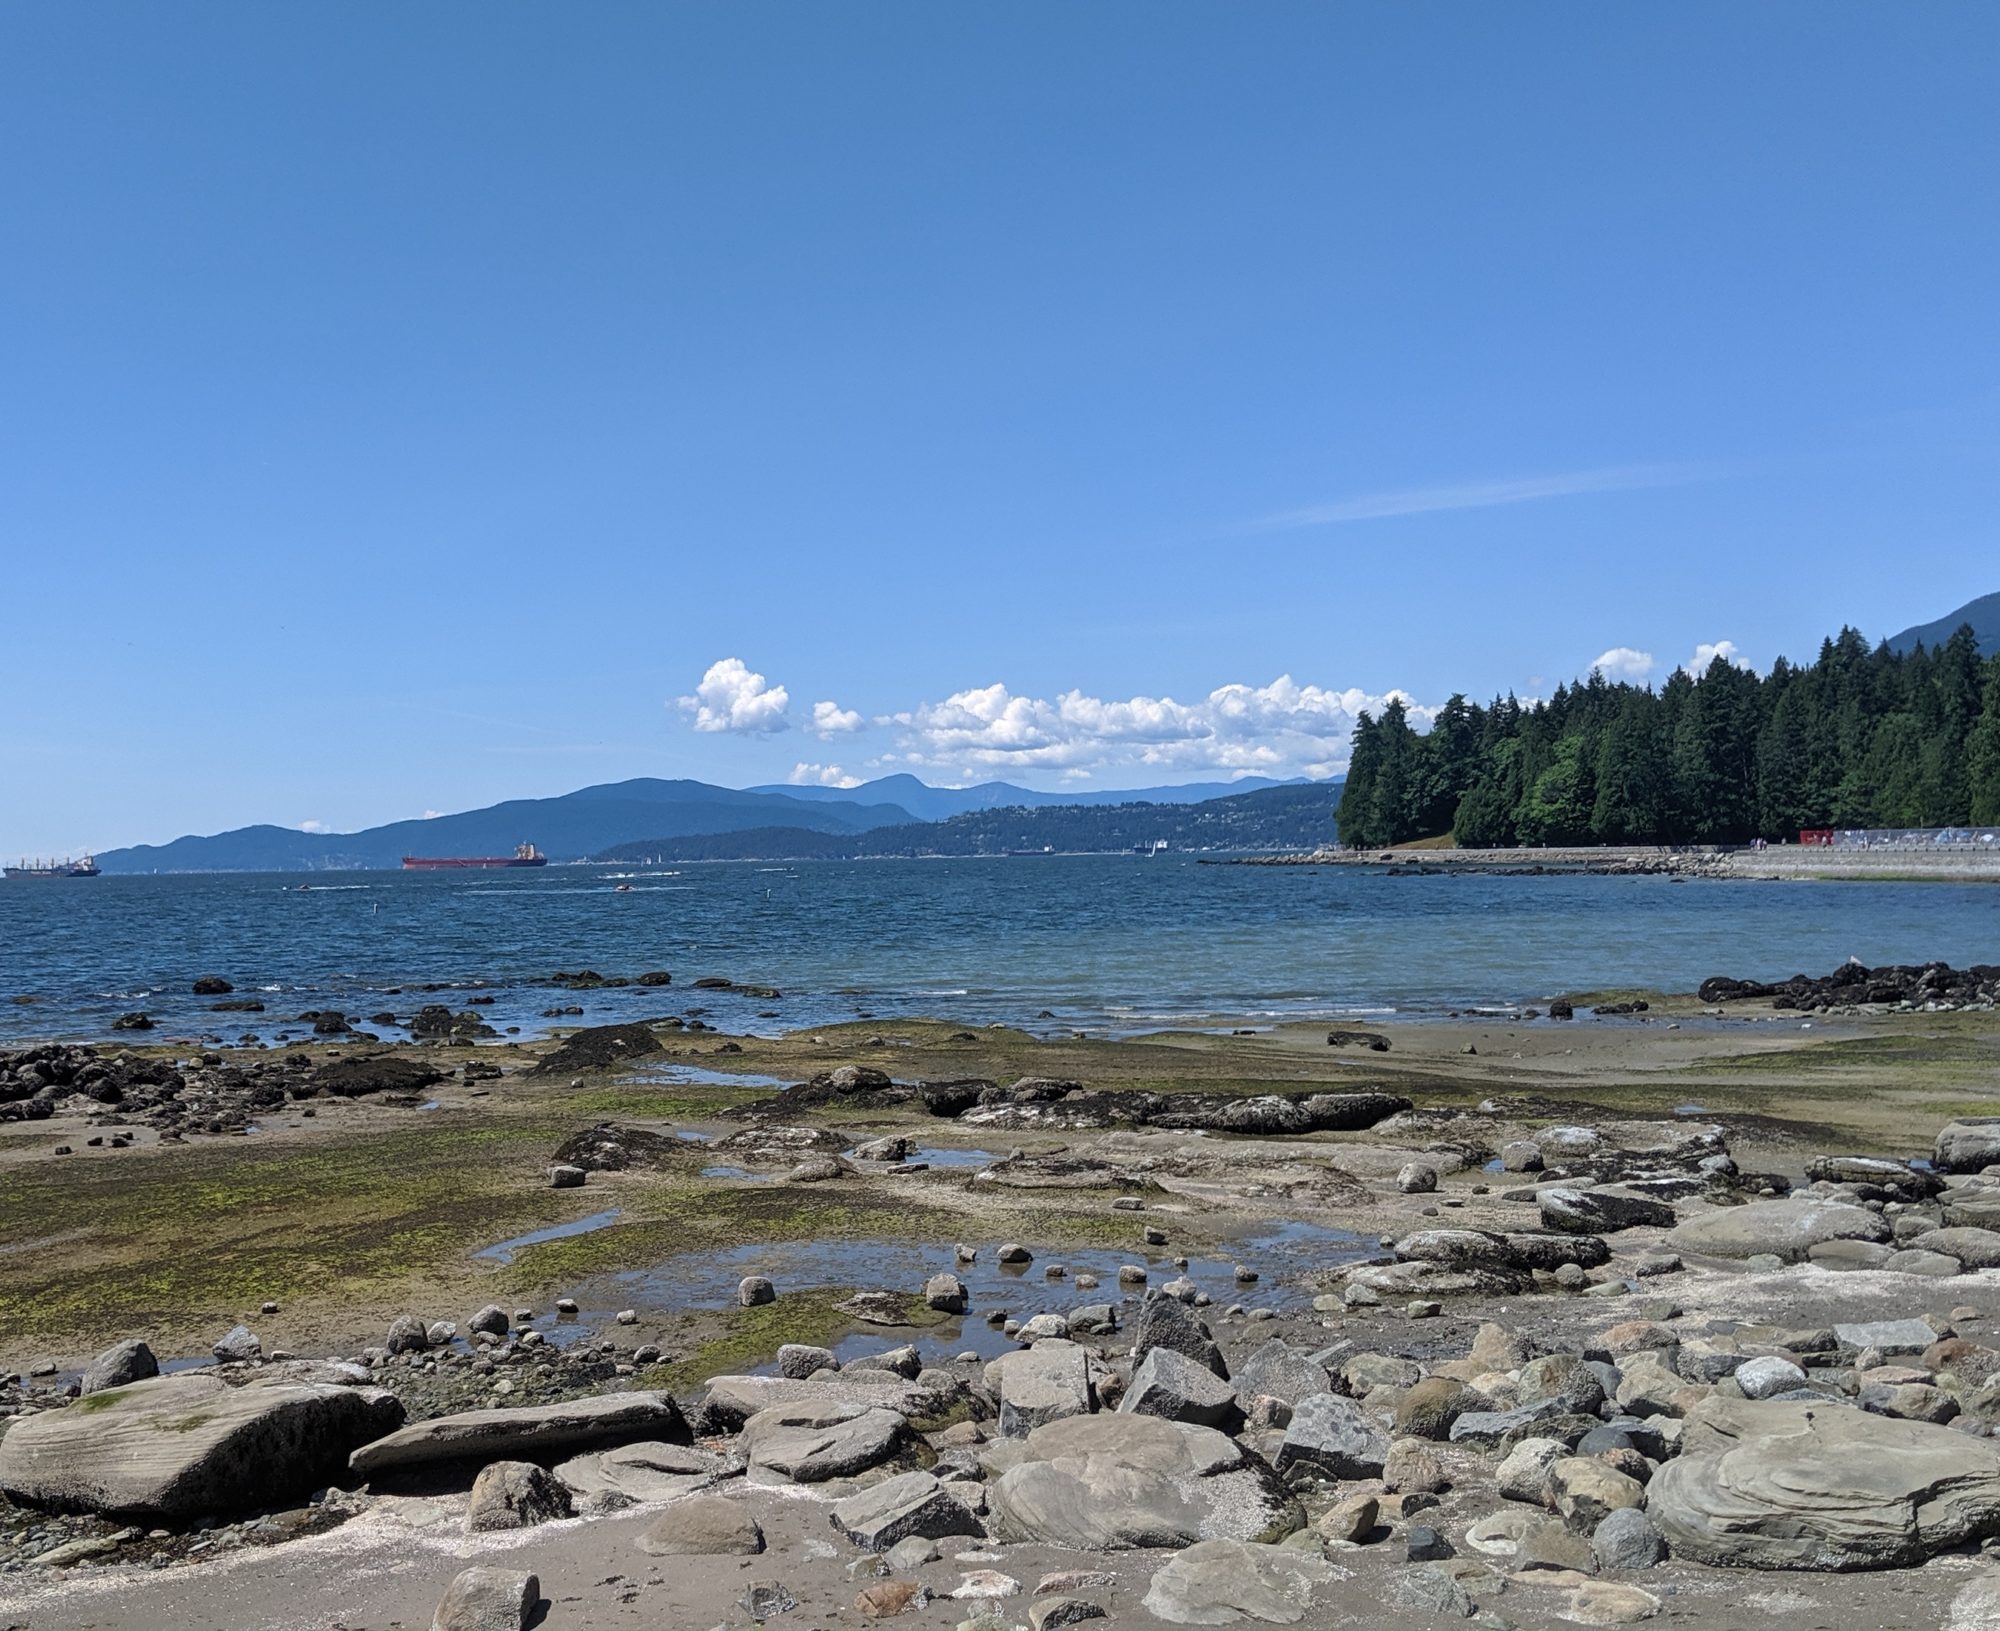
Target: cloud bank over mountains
{"x":1281,"y":729}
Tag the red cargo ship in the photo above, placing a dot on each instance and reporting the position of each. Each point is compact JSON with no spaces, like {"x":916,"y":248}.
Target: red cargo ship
{"x":526,"y":855}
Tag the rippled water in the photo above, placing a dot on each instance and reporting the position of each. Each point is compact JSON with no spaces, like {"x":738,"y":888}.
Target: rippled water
{"x":1110,"y":942}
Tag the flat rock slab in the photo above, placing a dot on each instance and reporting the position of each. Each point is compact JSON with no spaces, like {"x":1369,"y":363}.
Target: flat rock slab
{"x":1601,"y":1211}
{"x":1776,"y":1485}
{"x":188,"y":1446}
{"x":812,"y":1443}
{"x":1224,"y":1582}
{"x":525,"y":1433}
{"x":647,"y":1471}
{"x":1887,"y":1336}
{"x":1107,"y":1482}
{"x":733,"y":1400}
{"x":1786,"y":1229}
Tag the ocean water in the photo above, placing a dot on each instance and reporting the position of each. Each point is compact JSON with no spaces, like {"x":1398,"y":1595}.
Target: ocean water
{"x":1101,"y":943}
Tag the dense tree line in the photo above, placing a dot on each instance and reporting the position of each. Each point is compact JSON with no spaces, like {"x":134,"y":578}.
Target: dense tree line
{"x":1860,"y":738}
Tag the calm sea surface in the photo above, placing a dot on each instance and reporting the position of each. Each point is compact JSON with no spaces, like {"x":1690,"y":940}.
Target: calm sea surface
{"x":1100,"y":942}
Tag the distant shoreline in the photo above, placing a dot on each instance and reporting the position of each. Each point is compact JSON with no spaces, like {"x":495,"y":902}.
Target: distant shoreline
{"x":1778,"y":864}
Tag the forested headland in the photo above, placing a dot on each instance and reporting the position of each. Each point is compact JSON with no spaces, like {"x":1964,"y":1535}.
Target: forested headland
{"x":1860,"y":738}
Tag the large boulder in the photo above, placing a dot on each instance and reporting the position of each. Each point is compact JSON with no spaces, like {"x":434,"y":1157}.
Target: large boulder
{"x":1330,"y":1436}
{"x":527,"y":1432}
{"x":1967,"y":1145}
{"x":1790,"y":1485}
{"x":488,"y":1600}
{"x":1167,"y":1322}
{"x":120,"y":1365}
{"x":1222,"y":1582}
{"x":515,"y":1495}
{"x":1281,"y":1371}
{"x":1106,"y":1482}
{"x":1172,"y":1385}
{"x":1041,"y":1384}
{"x":1788,"y":1229}
{"x":189,"y":1446}
{"x":1974,"y":1248}
{"x":704,"y":1526}
{"x":914,"y":1503}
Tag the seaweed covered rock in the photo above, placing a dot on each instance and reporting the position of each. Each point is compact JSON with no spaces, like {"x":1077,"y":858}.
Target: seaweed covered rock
{"x":609,"y":1147}
{"x":357,"y":1075}
{"x":599,"y":1047}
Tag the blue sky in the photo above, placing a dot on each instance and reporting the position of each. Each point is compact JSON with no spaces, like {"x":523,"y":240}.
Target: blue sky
{"x":407,"y":407}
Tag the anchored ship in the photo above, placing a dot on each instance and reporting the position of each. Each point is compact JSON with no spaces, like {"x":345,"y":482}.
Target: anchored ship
{"x":84,"y":868}
{"x":524,"y":855}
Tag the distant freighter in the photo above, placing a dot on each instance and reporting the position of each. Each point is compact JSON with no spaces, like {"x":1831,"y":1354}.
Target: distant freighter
{"x":526,"y":855}
{"x":85,"y":868}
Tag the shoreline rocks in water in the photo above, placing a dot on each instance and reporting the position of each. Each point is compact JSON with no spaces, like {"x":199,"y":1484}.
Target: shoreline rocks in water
{"x":1853,"y":984}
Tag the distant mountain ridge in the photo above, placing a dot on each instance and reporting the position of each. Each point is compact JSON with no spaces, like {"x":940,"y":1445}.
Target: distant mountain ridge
{"x":1284,"y":817}
{"x":567,"y":827}
{"x":929,"y":803}
{"x":1983,"y":614}
{"x":593,"y":820}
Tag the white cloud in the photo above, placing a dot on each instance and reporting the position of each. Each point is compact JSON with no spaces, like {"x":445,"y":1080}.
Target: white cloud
{"x":1482,"y":495}
{"x":312,"y":826}
{"x":1280,"y":729}
{"x":1623,"y":663}
{"x":831,"y":720}
{"x":805,"y":775}
{"x":432,"y":815}
{"x":732,"y":698}
{"x":1707,"y":651}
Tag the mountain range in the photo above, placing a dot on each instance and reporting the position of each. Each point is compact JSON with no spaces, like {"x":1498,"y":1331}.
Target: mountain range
{"x":1290,"y":816}
{"x":927,"y":803}
{"x":1983,"y":614}
{"x":594,"y":820}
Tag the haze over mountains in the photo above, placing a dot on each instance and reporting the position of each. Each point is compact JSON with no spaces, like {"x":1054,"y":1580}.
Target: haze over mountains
{"x":927,"y":803}
{"x":593,"y":820}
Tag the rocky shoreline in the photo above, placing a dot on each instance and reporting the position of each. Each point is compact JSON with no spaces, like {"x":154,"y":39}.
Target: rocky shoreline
{"x":1530,"y":1368}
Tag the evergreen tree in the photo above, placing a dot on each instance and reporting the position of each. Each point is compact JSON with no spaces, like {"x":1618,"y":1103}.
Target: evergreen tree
{"x":1355,"y":819}
{"x":1631,"y":802}
{"x":1983,"y":753}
